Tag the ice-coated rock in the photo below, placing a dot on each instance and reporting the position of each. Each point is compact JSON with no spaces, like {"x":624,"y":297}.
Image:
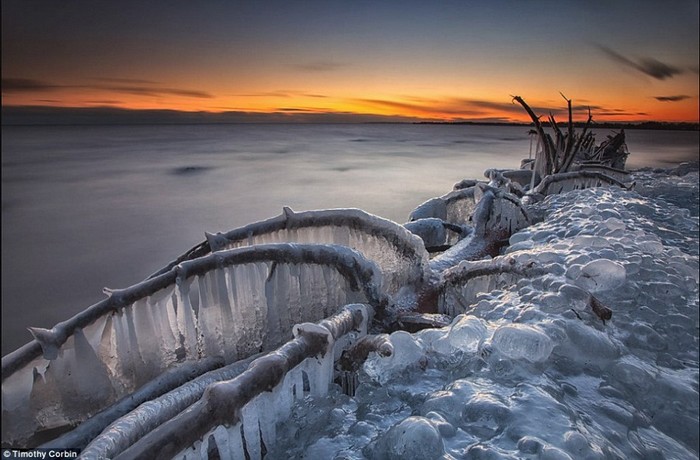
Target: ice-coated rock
{"x":519,"y":341}
{"x":467,"y":333}
{"x":601,"y":275}
{"x":415,"y":438}
{"x":407,"y":354}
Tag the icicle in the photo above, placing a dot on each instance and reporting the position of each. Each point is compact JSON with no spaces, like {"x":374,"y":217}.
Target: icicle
{"x":185,"y":319}
{"x":251,"y":429}
{"x":139,"y":369}
{"x":47,"y":338}
{"x":236,"y":441}
{"x":318,"y":369}
{"x":209,"y":317}
{"x":267,"y":416}
{"x":92,"y":385}
{"x":227,"y":325}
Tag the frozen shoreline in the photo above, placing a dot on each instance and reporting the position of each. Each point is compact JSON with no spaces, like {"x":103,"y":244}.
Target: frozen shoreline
{"x":548,"y":336}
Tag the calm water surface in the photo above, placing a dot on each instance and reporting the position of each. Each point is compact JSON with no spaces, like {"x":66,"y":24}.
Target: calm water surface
{"x":86,"y":207}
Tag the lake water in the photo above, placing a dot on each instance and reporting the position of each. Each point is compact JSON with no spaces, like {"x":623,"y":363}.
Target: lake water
{"x":84,"y":207}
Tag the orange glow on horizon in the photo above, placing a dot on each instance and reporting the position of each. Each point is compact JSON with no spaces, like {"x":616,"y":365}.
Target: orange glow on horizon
{"x":433,"y":108}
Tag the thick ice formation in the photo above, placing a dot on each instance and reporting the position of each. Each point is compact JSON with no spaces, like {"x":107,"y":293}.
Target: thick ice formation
{"x":455,"y":207}
{"x":530,"y":371}
{"x":240,"y":415}
{"x":430,"y":229}
{"x":399,"y":254}
{"x":497,"y":216}
{"x":230,"y":304}
{"x":575,"y":180}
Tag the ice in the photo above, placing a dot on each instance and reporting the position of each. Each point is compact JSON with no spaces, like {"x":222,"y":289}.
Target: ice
{"x":414,"y":438}
{"x":528,"y":369}
{"x":399,"y":254}
{"x":575,"y":180}
{"x":247,"y":408}
{"x":467,"y":333}
{"x":455,"y":207}
{"x":125,"y":345}
{"x":518,"y":341}
{"x":600,"y":275}
{"x":435,"y":208}
{"x":407,"y":353}
{"x":430,"y":230}
{"x":590,"y":389}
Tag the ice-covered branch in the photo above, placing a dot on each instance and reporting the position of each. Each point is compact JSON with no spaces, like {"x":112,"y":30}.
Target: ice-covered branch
{"x":231,"y":304}
{"x":398,"y":253}
{"x":225,"y":403}
{"x":460,"y":285}
{"x":575,"y":180}
{"x":168,"y":381}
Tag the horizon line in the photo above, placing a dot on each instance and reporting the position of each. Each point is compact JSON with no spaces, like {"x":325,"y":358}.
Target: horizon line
{"x":14,"y":115}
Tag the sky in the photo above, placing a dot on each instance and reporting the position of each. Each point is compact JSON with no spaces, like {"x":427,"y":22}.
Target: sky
{"x":626,"y":60}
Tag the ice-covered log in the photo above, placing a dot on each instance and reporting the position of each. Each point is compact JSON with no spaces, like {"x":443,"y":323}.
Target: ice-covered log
{"x":520,"y":176}
{"x":575,"y":180}
{"x":131,"y":426}
{"x":173,"y":379}
{"x":436,"y":233}
{"x":231,"y":304}
{"x":455,"y":207}
{"x":239,"y":415}
{"x":497,"y":216}
{"x":430,"y":229}
{"x":398,"y":253}
{"x":619,"y":174}
{"x":460,"y":285}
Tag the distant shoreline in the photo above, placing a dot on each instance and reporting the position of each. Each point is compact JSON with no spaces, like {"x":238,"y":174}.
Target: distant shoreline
{"x":93,"y":116}
{"x":648,"y":125}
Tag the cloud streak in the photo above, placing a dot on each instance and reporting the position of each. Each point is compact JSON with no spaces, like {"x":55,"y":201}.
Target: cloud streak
{"x":464,"y":109}
{"x":12,"y":85}
{"x":680,"y":97}
{"x":647,"y":65}
{"x":16,"y":85}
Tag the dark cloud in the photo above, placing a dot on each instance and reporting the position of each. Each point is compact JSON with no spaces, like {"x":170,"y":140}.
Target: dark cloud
{"x":106,"y":102}
{"x":37,"y":115}
{"x":677,"y":98}
{"x":649,"y":66}
{"x":294,"y":109}
{"x":25,"y":84}
{"x":31,"y":85}
{"x":462,"y":107}
{"x":130,"y":81}
{"x":283,"y":93}
{"x":154,"y":91}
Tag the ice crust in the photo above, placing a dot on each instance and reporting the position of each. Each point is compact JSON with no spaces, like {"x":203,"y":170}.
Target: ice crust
{"x":527,"y":370}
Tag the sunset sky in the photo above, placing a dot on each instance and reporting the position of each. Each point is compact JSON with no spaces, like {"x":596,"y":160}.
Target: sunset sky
{"x":404,"y":60}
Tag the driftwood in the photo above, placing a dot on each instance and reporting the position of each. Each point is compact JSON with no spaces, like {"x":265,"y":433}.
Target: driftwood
{"x":558,"y":155}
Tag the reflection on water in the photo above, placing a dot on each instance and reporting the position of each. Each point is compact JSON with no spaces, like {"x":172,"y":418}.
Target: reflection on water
{"x":89,"y":206}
